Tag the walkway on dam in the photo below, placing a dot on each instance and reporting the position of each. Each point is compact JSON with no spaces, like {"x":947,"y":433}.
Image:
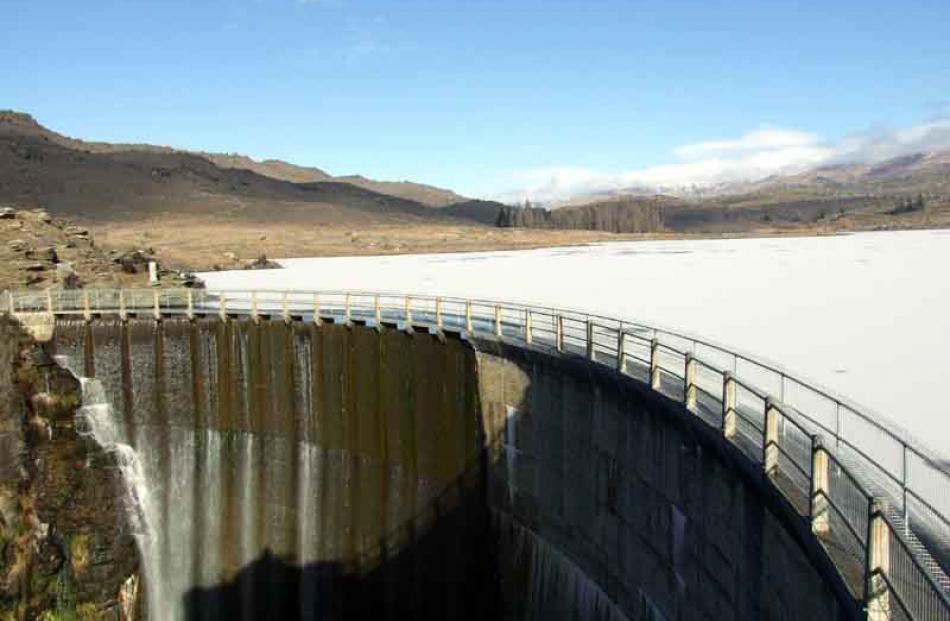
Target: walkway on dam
{"x":877,"y":500}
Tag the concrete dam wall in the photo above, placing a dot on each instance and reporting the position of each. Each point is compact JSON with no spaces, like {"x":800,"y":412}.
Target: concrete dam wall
{"x":302,"y":471}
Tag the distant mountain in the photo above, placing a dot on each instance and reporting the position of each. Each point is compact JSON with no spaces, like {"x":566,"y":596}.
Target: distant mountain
{"x":428,"y":195}
{"x":908,"y":191}
{"x":20,"y":126}
{"x":927,"y":173}
{"x":102,"y":181}
{"x":483,"y":212}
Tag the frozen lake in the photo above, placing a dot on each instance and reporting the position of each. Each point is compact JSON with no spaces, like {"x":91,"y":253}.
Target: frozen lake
{"x":867,"y":315}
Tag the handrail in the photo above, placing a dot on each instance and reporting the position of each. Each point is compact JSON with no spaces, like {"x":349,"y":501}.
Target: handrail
{"x":865,"y":413}
{"x":610,"y":341}
{"x":940,"y":593}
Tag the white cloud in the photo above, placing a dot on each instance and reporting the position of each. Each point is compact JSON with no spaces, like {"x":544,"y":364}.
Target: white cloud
{"x":763,"y":139}
{"x":753,"y":156}
{"x":877,"y":145}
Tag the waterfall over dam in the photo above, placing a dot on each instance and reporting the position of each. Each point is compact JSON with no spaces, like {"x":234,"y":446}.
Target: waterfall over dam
{"x":303,"y":471}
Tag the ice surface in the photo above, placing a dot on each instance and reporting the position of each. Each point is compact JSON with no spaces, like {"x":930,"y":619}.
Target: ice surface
{"x":867,"y":315}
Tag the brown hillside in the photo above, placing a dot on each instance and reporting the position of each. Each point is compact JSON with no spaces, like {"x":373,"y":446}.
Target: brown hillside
{"x":99,"y":182}
{"x":23,"y":127}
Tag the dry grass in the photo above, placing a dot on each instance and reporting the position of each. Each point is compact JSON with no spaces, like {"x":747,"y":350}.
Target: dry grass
{"x":200,"y":243}
{"x":79,"y":554}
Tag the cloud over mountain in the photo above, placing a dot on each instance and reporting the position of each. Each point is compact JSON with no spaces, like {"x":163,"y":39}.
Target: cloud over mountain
{"x":750,"y":157}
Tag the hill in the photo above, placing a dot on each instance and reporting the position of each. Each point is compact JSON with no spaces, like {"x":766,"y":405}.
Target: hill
{"x":202,"y":210}
{"x":41,"y":167}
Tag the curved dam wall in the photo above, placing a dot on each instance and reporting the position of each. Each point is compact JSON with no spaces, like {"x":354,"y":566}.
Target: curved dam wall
{"x":347,"y":472}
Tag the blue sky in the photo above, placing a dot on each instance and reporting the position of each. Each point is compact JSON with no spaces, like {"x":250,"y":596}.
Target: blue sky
{"x":487,"y":97}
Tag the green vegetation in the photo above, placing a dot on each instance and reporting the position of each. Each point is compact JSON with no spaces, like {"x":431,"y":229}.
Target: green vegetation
{"x":82,"y":612}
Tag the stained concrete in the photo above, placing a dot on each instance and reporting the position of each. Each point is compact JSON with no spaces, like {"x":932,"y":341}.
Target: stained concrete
{"x":655,"y":508}
{"x":349,"y":472}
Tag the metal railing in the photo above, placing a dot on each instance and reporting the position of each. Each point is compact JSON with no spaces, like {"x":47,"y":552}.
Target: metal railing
{"x":877,"y":500}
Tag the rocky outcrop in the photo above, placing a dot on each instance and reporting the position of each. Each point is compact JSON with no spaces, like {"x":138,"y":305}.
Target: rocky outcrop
{"x":39,"y":251}
{"x":66,"y":547}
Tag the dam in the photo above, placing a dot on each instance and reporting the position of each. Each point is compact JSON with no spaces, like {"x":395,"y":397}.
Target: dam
{"x":344,"y":455}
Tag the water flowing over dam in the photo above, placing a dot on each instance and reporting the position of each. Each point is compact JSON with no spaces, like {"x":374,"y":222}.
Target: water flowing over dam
{"x":305,"y":471}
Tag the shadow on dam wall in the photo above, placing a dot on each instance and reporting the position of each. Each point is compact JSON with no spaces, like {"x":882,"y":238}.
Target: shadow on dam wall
{"x":298,"y":471}
{"x":446,"y":572}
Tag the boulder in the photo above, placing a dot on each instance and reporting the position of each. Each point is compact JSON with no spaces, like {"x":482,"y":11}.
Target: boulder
{"x":133,"y":261}
{"x":7,"y":213}
{"x":191,"y":281}
{"x":46,"y":253}
{"x":50,"y":557}
{"x":261,"y":263}
{"x":66,"y":276}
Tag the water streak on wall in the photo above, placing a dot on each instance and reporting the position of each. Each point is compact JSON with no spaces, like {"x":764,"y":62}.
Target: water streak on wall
{"x":322,"y":445}
{"x":297,"y":471}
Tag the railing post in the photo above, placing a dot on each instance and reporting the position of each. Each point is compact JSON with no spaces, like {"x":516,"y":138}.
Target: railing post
{"x":689,"y":382}
{"x":837,"y":423}
{"x":49,"y":302}
{"x":123,"y":315}
{"x":377,"y":310}
{"x":254,"y":315}
{"x":156,"y":306}
{"x":770,"y":450}
{"x":408,"y":313}
{"x":438,"y":313}
{"x":86,"y":310}
{"x":728,"y":405}
{"x":527,"y":326}
{"x":818,"y":510}
{"x":904,"y":507}
{"x":655,"y":364}
{"x":468,"y":316}
{"x":316,"y":309}
{"x":591,"y":350}
{"x":876,"y":593}
{"x":498,"y":321}
{"x":223,"y":308}
{"x":285,"y":308}
{"x":347,"y":312}
{"x":189,"y":304}
{"x":621,"y":350}
{"x":12,"y":304}
{"x":559,"y":332}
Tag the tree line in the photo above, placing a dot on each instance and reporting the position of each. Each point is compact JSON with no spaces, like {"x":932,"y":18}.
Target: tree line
{"x":907,"y":204}
{"x":618,"y":216}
